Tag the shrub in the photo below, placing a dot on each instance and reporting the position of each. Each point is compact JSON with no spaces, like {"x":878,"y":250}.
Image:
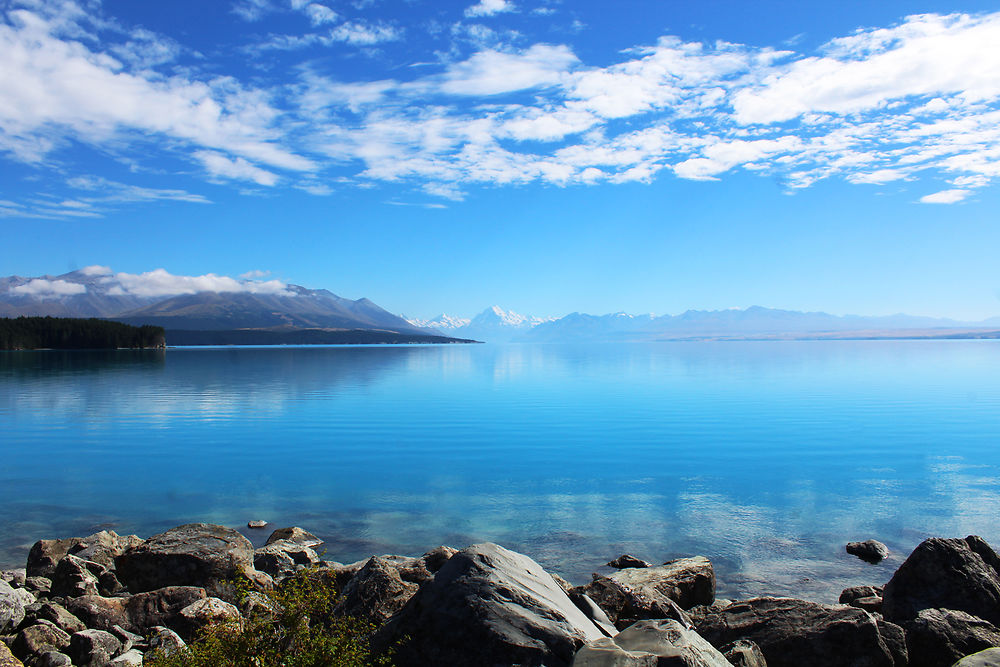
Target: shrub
{"x":293,"y":626}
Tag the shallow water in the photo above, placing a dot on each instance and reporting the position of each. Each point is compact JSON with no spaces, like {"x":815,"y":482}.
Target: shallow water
{"x":765,"y":456}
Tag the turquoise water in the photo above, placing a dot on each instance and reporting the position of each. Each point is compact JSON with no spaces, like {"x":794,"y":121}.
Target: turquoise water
{"x":765,"y":456}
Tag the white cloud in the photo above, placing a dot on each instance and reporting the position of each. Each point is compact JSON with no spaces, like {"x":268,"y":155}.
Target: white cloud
{"x":255,"y":274}
{"x":46,"y":289}
{"x":239,"y":169}
{"x":493,"y":72}
{"x":878,"y":177}
{"x":489,"y":8}
{"x":162,"y":283}
{"x":319,"y":14}
{"x":96,"y":270}
{"x":945,"y":197}
{"x":364,"y":34}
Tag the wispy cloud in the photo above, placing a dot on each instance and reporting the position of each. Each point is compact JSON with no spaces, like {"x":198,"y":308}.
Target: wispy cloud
{"x":45,"y":289}
{"x":161,"y":282}
{"x":489,"y":8}
{"x":945,"y":197}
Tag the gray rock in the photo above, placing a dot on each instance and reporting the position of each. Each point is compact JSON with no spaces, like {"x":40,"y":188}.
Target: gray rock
{"x":256,"y":523}
{"x":103,"y":547}
{"x":201,"y":614}
{"x":196,"y":554}
{"x":593,"y":611}
{"x":46,"y":554}
{"x":792,"y":633}
{"x":93,"y":648}
{"x":698,"y":612}
{"x":295,"y":534}
{"x":744,"y":653}
{"x":872,"y":604}
{"x":130,"y":658}
{"x":55,"y":614}
{"x":75,"y":576}
{"x":988,"y":658}
{"x":651,"y":643}
{"x":99,"y":612}
{"x":939,"y":637}
{"x":165,"y":641}
{"x":945,"y":574}
{"x":488,"y":606}
{"x":855,"y":592}
{"x":15,"y":577}
{"x":161,"y":607}
{"x":38,"y":585}
{"x":635,"y":594}
{"x":376,"y":592}
{"x":11,"y":608}
{"x":53,"y":659}
{"x":128,"y":639}
{"x":626,"y":560}
{"x":870,"y":551}
{"x":280,"y":558}
{"x":37,"y":639}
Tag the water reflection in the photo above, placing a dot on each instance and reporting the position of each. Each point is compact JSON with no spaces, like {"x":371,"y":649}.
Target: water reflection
{"x":766,"y":457}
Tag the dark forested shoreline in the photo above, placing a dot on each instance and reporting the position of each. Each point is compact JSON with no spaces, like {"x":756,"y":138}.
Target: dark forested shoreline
{"x":65,"y":333}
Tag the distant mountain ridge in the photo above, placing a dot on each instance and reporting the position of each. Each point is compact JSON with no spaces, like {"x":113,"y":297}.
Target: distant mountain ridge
{"x":494,"y":324}
{"x":250,"y":305}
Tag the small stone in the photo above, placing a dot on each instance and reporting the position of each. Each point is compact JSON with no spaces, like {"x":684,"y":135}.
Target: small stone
{"x":626,"y":560}
{"x":870,"y":551}
{"x":257,"y":523}
{"x":15,"y":578}
{"x":855,"y":592}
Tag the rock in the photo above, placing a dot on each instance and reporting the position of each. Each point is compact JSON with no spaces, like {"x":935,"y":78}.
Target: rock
{"x":872,"y":604}
{"x":698,"y":612}
{"x":855,"y":592}
{"x":75,"y":576}
{"x":99,"y":612}
{"x":870,"y":551}
{"x":295,"y":534}
{"x":942,"y":636}
{"x":11,"y":608}
{"x":130,"y":658}
{"x":165,"y":641}
{"x":103,"y":547}
{"x":161,"y":607}
{"x":635,"y":594}
{"x":196,"y":554}
{"x":651,"y":643}
{"x":625,"y":560}
{"x":7,"y":658}
{"x":46,"y":554}
{"x":93,"y":648}
{"x":53,"y":659}
{"x":988,"y":658}
{"x":257,"y":523}
{"x":376,"y":592}
{"x":55,"y":614}
{"x":37,"y":639}
{"x":281,"y":558}
{"x":792,"y":633}
{"x":743,"y":653}
{"x":945,"y":574}
{"x":15,"y":578}
{"x":128,"y":639}
{"x":38,"y":585}
{"x":592,"y":611}
{"x":487,"y":606}
{"x":199,"y":615}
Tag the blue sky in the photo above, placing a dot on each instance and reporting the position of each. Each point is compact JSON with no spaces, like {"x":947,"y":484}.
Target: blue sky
{"x":548,"y":156}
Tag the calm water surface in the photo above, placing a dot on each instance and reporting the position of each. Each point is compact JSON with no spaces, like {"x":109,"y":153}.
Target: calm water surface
{"x":765,"y":456}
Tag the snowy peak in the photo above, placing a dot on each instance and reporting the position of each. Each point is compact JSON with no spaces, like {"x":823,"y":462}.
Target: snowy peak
{"x":441,"y":322}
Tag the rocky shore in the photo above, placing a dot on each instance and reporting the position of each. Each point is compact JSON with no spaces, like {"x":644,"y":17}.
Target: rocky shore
{"x":111,"y":600}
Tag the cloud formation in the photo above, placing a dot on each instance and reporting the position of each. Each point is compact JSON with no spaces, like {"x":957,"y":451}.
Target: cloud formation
{"x":160,"y":282}
{"x":882,"y":107}
{"x":47,"y":289}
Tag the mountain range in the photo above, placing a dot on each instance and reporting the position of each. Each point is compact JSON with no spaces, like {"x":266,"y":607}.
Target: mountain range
{"x":494,"y":325}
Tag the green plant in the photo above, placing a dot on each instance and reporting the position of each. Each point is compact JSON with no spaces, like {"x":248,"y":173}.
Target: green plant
{"x":293,"y":626}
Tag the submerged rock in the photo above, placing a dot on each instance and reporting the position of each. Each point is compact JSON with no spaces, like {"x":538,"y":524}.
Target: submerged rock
{"x":946,"y":574}
{"x":488,"y":606}
{"x":651,"y":643}
{"x":626,"y":560}
{"x":870,"y":551}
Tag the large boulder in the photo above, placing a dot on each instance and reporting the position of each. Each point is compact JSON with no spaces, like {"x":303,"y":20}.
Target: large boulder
{"x":7,"y":658}
{"x":99,"y":612}
{"x":34,"y":640}
{"x":46,"y":554}
{"x":488,"y":606}
{"x":104,"y":547}
{"x":634,"y":594}
{"x":195,"y":554}
{"x":161,"y":607}
{"x":11,"y":608}
{"x":988,"y":658}
{"x":792,"y":633}
{"x":281,"y":558}
{"x":75,"y":576}
{"x":199,"y":615}
{"x":53,"y":613}
{"x":376,"y":592}
{"x":939,"y":637}
{"x":946,"y":574}
{"x":664,"y":643}
{"x":93,"y":648}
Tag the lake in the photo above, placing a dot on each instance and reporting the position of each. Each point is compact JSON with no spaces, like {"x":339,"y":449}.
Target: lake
{"x":767,"y":457}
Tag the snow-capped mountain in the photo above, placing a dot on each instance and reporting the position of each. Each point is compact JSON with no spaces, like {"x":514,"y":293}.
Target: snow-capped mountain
{"x":442,"y":322}
{"x":493,"y":325}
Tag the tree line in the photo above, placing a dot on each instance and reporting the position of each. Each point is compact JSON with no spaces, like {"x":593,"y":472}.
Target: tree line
{"x":64,"y":333}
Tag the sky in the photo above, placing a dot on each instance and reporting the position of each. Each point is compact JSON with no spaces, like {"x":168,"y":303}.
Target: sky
{"x":549,"y":156}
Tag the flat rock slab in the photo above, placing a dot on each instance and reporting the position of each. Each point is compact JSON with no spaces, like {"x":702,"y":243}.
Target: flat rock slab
{"x":488,"y":606}
{"x":793,"y":633}
{"x":653,"y":643}
{"x":946,"y":574}
{"x":196,"y":554}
